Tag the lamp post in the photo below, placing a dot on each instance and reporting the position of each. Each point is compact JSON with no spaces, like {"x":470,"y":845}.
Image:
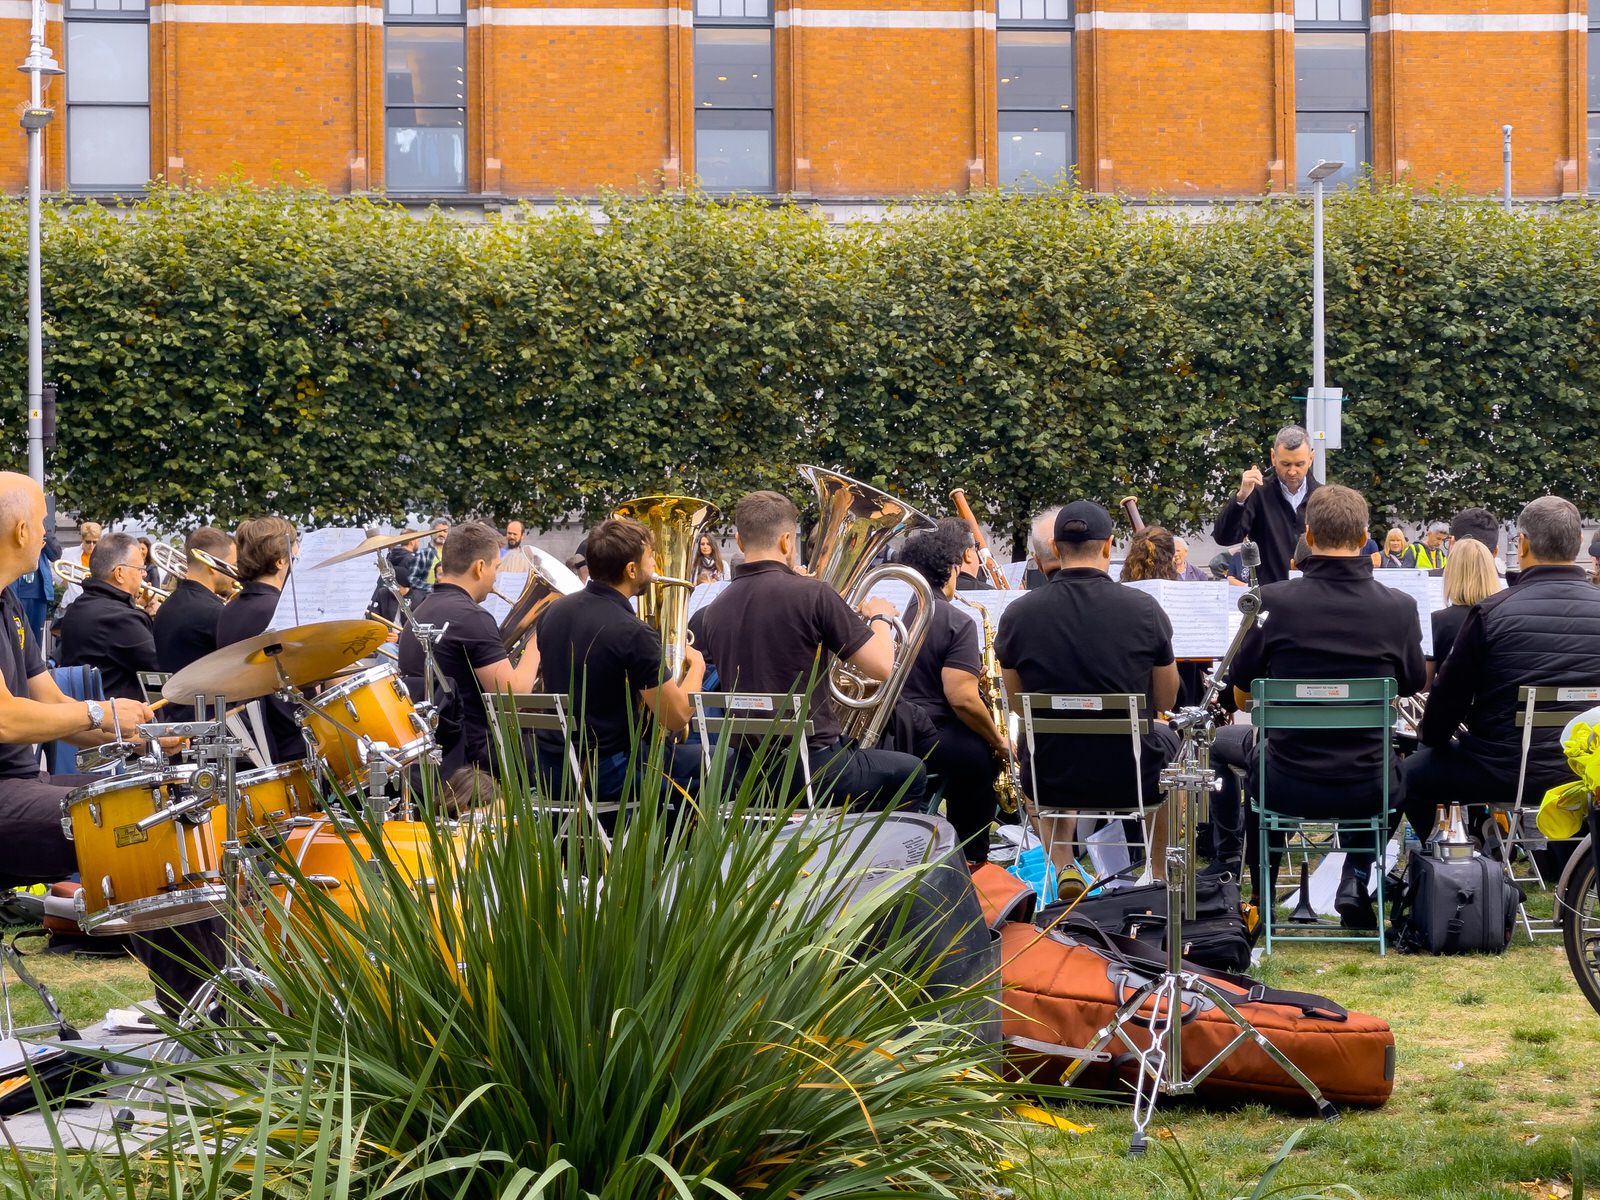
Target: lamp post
{"x":1316,"y":422}
{"x":39,"y":65}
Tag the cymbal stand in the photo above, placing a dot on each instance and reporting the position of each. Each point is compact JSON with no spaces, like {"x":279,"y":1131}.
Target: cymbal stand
{"x":427,"y":635}
{"x":1150,"y":1021}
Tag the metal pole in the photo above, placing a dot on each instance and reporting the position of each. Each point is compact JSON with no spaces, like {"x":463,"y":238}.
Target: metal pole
{"x":1505,"y":153}
{"x":36,"y":58}
{"x":1319,"y":465}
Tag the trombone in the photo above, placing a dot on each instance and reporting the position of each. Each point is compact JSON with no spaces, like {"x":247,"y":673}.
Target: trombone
{"x":67,"y":573}
{"x":172,"y":561}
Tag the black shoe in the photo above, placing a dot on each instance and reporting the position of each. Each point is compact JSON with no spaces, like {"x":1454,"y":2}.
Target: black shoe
{"x":1221,"y":866}
{"x":1354,"y":905}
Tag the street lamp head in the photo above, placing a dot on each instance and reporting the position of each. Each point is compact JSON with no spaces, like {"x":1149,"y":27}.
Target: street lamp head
{"x":1323,"y":170}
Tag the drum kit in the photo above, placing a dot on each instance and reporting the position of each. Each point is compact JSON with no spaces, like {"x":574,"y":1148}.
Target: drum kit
{"x":168,"y":843}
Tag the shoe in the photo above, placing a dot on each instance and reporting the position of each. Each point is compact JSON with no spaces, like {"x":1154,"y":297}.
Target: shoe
{"x":1221,"y":866}
{"x":1354,"y":905}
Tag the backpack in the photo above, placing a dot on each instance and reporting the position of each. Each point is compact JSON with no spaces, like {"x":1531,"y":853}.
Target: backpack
{"x":1453,"y":906}
{"x":1215,"y":937}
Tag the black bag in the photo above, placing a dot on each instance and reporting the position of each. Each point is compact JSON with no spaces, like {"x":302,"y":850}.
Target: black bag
{"x":1453,"y":906}
{"x":1215,"y":938}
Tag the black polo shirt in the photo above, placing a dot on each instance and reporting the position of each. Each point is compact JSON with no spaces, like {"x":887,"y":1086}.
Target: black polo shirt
{"x":185,"y":626}
{"x":19,"y":662}
{"x":1084,"y":633}
{"x":103,"y":629}
{"x":1335,"y":622}
{"x":1447,"y":623}
{"x":952,"y":642}
{"x":772,"y":629}
{"x":595,"y":649}
{"x":472,"y":640}
{"x":972,"y":583}
{"x":247,"y":615}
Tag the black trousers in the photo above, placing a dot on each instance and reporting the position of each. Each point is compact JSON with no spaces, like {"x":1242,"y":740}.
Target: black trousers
{"x":1447,"y":775}
{"x":35,"y":849}
{"x":845,"y":776}
{"x":962,"y":759}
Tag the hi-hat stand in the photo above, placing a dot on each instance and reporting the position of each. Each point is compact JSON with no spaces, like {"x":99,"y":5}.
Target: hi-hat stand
{"x":427,"y":635}
{"x":1159,"y":1006}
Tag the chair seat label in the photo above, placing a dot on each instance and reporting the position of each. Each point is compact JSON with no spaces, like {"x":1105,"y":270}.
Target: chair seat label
{"x":757,"y":703}
{"x":1578,"y":694}
{"x":1076,"y":703}
{"x":1322,"y":691}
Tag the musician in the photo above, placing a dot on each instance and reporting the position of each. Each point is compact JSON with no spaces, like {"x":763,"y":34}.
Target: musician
{"x":1085,"y":633}
{"x":1469,"y":576}
{"x":955,"y":733}
{"x":1269,"y":508}
{"x":970,"y":577}
{"x":595,"y":649}
{"x":265,"y":549}
{"x":1335,"y":622}
{"x":1477,"y":523}
{"x":1041,"y":550}
{"x":1542,"y":631}
{"x":104,"y":628}
{"x":470,"y":655}
{"x":775,"y":630}
{"x":185,"y":625}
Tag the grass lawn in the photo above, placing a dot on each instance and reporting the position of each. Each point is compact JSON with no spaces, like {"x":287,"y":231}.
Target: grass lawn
{"x":1499,"y":1071}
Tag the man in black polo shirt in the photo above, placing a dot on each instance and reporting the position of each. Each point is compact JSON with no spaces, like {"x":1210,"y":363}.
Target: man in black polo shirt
{"x":185,"y":625}
{"x":266,"y":549}
{"x":775,"y":630}
{"x":593,"y":647}
{"x":1544,"y":630}
{"x":955,"y":734}
{"x":1084,"y":633}
{"x":1271,"y":508}
{"x":470,"y":654}
{"x":1336,"y":622}
{"x":103,"y":629}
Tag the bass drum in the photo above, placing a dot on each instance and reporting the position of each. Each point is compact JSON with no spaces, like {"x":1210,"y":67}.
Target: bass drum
{"x":139,"y":879}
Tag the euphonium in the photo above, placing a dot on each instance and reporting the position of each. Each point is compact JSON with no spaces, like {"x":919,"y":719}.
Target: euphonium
{"x":857,"y":521}
{"x":992,"y":689}
{"x":548,"y":580}
{"x":675,"y":524}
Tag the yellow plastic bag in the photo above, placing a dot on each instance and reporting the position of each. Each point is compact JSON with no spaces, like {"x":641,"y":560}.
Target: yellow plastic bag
{"x":1563,"y":809}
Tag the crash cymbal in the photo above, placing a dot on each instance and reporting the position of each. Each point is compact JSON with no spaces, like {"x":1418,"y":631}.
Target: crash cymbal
{"x":371,"y":545}
{"x":248,"y":670}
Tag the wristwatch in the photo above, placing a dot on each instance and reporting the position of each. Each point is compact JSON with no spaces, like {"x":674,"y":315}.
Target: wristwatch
{"x":97,"y":713}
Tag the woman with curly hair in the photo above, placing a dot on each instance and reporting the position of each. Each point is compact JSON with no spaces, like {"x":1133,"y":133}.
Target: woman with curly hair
{"x":1152,"y":554}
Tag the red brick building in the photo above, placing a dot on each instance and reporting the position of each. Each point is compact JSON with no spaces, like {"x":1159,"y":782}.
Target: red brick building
{"x":831,"y":99}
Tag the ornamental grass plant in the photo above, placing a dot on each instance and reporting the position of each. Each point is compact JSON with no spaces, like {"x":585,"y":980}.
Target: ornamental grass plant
{"x":728,"y":1005}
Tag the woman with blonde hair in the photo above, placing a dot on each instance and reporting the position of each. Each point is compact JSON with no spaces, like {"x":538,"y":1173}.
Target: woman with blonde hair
{"x":1469,"y":576}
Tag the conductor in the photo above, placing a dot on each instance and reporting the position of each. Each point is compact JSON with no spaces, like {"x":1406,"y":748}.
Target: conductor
{"x":1270,"y":507}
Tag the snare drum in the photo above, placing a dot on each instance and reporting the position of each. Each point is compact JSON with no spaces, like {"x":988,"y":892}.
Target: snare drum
{"x":275,"y":796}
{"x":137,"y":879}
{"x":372,"y":706}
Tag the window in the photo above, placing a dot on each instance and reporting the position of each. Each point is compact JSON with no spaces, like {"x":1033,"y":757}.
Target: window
{"x":1034,"y":86}
{"x":425,"y":96}
{"x":108,"y":94}
{"x":1594,"y":98}
{"x":733,"y":143}
{"x":1332,"y":108}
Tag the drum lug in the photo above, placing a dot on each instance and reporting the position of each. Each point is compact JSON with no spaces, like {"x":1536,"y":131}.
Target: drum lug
{"x":172,"y":879}
{"x":79,"y":904}
{"x":355,"y":713}
{"x":400,"y":688}
{"x":327,"y":883}
{"x":94,"y":814}
{"x":106,"y":890}
{"x":66,"y":827}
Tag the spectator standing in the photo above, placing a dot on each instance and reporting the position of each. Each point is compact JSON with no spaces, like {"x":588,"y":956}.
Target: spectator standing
{"x":1429,"y":554}
{"x":707,"y":562}
{"x":1395,"y":546}
{"x":425,"y":567}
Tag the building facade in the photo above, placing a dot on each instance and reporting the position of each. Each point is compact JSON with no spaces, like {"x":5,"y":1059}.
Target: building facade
{"x":843,"y":100}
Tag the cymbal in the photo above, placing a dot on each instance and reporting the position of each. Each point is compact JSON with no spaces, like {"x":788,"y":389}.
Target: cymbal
{"x":248,"y":670}
{"x":372,"y":545}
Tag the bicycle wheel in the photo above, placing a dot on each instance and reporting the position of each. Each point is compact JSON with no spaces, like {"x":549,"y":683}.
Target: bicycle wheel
{"x":1578,"y":904}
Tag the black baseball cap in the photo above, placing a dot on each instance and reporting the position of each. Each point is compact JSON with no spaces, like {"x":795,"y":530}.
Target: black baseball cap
{"x":1083,"y":521}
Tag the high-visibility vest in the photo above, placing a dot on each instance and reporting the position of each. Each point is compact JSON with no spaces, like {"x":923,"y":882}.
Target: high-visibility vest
{"x":1424,"y":559}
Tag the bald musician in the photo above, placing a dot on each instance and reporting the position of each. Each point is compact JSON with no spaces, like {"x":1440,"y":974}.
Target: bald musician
{"x":1270,"y":508}
{"x":265,"y":549}
{"x":105,"y":629}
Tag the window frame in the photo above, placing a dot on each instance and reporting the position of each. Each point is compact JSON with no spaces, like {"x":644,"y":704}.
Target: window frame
{"x":1364,"y":28}
{"x":1069,"y":26}
{"x":393,"y":20}
{"x":121,"y":16}
{"x":1591,"y":183}
{"x":769,"y":24}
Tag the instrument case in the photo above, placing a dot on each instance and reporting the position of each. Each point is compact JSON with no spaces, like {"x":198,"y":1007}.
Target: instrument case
{"x":1453,"y":906}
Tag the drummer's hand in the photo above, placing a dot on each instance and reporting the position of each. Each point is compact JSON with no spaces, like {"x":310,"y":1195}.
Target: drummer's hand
{"x":394,"y":636}
{"x":173,"y":745}
{"x":877,"y":606}
{"x":1249,"y":482}
{"x":125,"y":715}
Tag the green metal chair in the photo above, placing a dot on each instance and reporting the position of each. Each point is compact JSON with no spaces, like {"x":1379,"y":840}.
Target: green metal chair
{"x":1325,"y":704}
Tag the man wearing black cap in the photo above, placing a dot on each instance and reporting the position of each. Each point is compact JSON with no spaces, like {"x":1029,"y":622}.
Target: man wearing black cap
{"x":1083,"y":633}
{"x":1270,"y":508}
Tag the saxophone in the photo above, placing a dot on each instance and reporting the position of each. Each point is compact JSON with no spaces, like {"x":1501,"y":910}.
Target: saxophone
{"x":991,"y":687}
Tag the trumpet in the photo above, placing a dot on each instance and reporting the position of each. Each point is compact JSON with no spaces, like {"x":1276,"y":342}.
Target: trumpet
{"x":67,"y":573}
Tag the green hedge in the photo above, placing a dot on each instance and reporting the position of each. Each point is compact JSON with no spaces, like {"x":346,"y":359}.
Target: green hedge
{"x":222,"y":353}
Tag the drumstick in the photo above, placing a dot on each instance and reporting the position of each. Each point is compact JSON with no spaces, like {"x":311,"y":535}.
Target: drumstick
{"x":159,"y":703}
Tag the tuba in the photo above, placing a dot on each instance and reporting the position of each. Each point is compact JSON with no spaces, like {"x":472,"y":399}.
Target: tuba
{"x":675,"y":524}
{"x":855,"y":523}
{"x":548,"y":580}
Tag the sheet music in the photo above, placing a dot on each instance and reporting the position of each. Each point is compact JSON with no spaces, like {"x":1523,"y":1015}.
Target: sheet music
{"x":507,"y":583}
{"x":1203,"y":615}
{"x":336,"y":593}
{"x":1426,"y":590}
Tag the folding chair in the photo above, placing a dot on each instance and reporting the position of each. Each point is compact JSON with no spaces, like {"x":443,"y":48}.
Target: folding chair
{"x":763,"y":716}
{"x":1106,"y":716}
{"x":77,"y":683}
{"x":151,"y":683}
{"x":545,"y":712}
{"x":1548,"y":707}
{"x":1319,"y":704}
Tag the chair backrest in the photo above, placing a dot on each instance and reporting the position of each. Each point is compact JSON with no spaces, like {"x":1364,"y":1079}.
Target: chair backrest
{"x":76,"y":683}
{"x":1323,"y":704}
{"x":151,"y":683}
{"x":541,"y":712}
{"x":1085,"y":715}
{"x":752,"y":717}
{"x":1548,"y":706}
